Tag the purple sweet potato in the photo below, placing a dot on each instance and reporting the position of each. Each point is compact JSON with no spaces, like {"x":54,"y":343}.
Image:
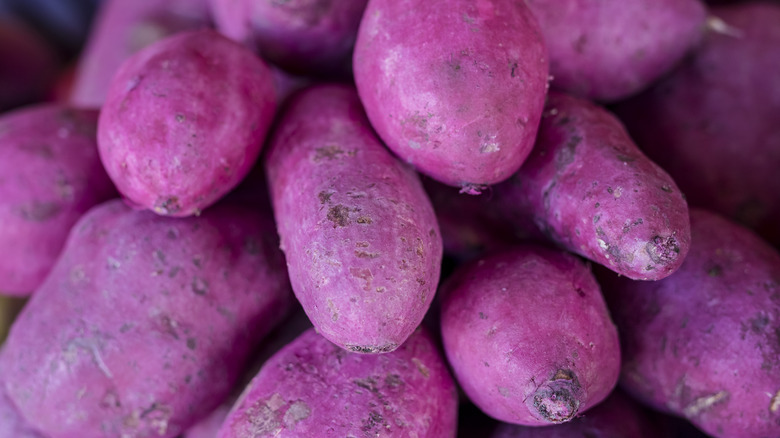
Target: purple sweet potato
{"x":29,"y":65}
{"x":592,"y":191}
{"x":617,"y":417}
{"x":50,"y":174}
{"x":456,"y":88}
{"x":313,"y":388}
{"x":312,"y":37}
{"x":122,"y":28}
{"x":528,"y":335}
{"x":713,"y":124}
{"x":360,"y":235}
{"x":184,"y":121}
{"x":145,"y":322}
{"x":704,"y":343}
{"x":12,"y":425}
{"x":609,"y":49}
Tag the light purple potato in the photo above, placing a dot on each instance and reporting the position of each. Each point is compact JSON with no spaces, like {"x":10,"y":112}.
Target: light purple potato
{"x":184,"y":121}
{"x":311,"y":37}
{"x":313,"y":388}
{"x":591,"y":190}
{"x":12,"y":425}
{"x":713,"y":123}
{"x":610,"y":49}
{"x":616,"y":417}
{"x":123,"y":27}
{"x":361,"y":239}
{"x":528,"y":335}
{"x":50,"y":174}
{"x":145,"y":322}
{"x":455,"y":88}
{"x":704,"y":343}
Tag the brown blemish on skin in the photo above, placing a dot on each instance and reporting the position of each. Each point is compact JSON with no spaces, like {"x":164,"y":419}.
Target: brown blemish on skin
{"x":364,"y":220}
{"x":421,"y":367}
{"x":199,"y":286}
{"x":167,"y":205}
{"x":366,"y":255}
{"x":362,"y":244}
{"x":334,"y":313}
{"x":715,"y":271}
{"x":331,"y":153}
{"x":192,"y":343}
{"x":324,"y":197}
{"x":40,"y":211}
{"x":339,"y":215}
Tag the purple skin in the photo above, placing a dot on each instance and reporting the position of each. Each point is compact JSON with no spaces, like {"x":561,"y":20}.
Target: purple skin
{"x":704,"y":343}
{"x":178,"y":129}
{"x":362,"y":243}
{"x":145,"y":323}
{"x":51,"y":175}
{"x":592,"y":191}
{"x":305,"y":37}
{"x":616,"y":417}
{"x":122,"y":28}
{"x":610,"y":49}
{"x":713,"y":124}
{"x":12,"y":425}
{"x":456,"y":90}
{"x":528,"y":336}
{"x":313,"y":388}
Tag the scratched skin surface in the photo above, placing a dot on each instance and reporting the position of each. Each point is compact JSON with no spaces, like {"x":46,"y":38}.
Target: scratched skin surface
{"x":359,"y":233}
{"x":50,"y":174}
{"x":528,"y":335}
{"x":145,"y":323}
{"x":607,"y":50}
{"x":591,"y":190}
{"x":704,"y":343}
{"x":456,"y":88}
{"x":184,"y":121}
{"x":313,"y":388}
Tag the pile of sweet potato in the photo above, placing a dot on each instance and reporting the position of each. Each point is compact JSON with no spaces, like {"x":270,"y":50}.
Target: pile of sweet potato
{"x":393,"y":218}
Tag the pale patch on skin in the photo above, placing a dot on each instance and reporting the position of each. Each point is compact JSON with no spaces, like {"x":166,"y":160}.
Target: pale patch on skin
{"x":774,"y":405}
{"x":703,"y":403}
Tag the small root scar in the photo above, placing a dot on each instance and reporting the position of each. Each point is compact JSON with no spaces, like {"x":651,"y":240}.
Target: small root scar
{"x":702,"y":404}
